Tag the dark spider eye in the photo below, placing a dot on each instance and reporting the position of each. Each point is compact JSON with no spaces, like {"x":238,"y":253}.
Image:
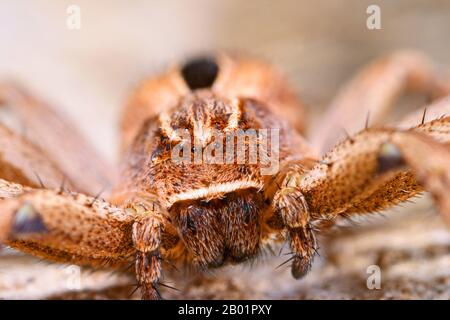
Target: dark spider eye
{"x":200,"y":72}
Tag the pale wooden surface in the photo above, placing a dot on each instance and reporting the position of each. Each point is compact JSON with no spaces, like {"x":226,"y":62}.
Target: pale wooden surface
{"x":87,"y":73}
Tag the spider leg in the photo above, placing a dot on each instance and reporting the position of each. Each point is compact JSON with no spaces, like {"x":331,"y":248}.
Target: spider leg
{"x":289,"y":211}
{"x":374,"y":90}
{"x":64,"y":227}
{"x":147,"y":232}
{"x":368,"y":172}
{"x":58,"y":138}
{"x":378,"y":168}
{"x":23,"y":162}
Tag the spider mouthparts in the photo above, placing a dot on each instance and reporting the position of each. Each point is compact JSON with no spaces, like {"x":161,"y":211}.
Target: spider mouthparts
{"x":389,"y":158}
{"x":27,"y":220}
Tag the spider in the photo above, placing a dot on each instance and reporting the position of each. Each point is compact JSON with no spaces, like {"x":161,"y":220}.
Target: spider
{"x":163,"y":213}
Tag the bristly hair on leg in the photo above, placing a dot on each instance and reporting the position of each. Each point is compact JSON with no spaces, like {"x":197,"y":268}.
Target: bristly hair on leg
{"x":281,"y":248}
{"x":62,"y":185}
{"x":348,"y":136}
{"x":136,"y":286}
{"x":39,"y":179}
{"x":162,"y":284}
{"x":424,"y":115}
{"x":98,"y":195}
{"x":366,"y":125}
{"x":173,"y":266}
{"x":286,"y":261}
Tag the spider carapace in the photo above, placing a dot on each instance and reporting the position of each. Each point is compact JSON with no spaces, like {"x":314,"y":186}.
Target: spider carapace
{"x":215,"y":167}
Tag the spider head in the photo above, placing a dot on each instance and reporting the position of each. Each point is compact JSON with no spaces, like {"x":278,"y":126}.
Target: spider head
{"x":214,"y":201}
{"x":207,"y":156}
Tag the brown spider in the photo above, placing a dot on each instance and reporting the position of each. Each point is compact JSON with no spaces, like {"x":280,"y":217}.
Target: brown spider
{"x":163,"y":212}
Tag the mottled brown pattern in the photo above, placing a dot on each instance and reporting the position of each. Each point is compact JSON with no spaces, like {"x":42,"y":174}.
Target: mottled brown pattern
{"x":76,"y":225}
{"x":153,"y":226}
{"x":148,"y":164}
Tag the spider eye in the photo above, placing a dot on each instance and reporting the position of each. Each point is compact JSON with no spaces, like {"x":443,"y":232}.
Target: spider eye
{"x":200,"y":72}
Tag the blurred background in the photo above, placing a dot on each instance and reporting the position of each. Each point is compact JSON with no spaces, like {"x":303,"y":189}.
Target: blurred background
{"x":87,"y":73}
